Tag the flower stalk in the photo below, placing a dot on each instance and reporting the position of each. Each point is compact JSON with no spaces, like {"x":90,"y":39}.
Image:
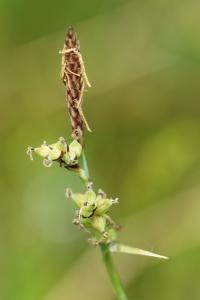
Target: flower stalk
{"x":112,"y":272}
{"x":107,"y":257}
{"x":93,"y":208}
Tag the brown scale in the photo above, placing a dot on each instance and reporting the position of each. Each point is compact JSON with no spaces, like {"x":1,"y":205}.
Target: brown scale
{"x":74,"y":77}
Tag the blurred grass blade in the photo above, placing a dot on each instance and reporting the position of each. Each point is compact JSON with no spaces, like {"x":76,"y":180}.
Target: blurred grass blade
{"x":136,"y":251}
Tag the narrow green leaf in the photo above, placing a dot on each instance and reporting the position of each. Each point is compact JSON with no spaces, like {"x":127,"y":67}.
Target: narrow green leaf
{"x":136,"y":251}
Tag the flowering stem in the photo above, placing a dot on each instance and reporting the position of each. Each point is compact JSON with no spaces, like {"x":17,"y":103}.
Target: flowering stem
{"x":106,"y":254}
{"x":114,"y":276}
{"x":84,"y":165}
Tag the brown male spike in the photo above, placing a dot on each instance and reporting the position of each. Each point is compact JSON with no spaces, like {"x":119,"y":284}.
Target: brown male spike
{"x":74,"y":77}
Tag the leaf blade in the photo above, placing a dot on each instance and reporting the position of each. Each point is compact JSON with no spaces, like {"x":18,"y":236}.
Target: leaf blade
{"x":120,"y":248}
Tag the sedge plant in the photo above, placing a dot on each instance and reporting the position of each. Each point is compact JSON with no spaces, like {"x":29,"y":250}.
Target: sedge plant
{"x":93,"y":207}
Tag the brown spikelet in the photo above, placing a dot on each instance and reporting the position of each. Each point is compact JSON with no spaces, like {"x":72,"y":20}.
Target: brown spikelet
{"x":74,"y":77}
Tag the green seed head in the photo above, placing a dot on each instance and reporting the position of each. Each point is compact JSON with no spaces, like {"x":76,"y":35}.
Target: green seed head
{"x":87,"y":211}
{"x":43,"y":150}
{"x":54,"y":152}
{"x":90,"y":196}
{"x":75,"y":149}
{"x":99,"y":223}
{"x":104,"y":204}
{"x":78,"y":198}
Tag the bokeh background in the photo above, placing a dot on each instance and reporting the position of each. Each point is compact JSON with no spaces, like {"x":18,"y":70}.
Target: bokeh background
{"x":143,"y":60}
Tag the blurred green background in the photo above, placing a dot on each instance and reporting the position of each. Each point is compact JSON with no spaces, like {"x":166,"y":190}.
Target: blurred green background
{"x":143,"y":61}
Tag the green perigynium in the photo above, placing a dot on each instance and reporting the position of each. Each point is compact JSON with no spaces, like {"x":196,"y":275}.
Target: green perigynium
{"x":60,"y":151}
{"x":92,"y":214}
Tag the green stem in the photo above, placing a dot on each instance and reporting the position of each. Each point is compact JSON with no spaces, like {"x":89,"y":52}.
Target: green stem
{"x":84,"y":166}
{"x":107,"y":258}
{"x":114,"y":277}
